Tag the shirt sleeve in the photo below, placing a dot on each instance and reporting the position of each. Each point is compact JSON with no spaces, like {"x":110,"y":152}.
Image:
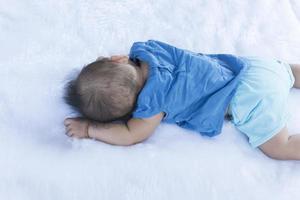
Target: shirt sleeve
{"x":162,"y":60}
{"x":150,"y":100}
{"x":146,"y":106}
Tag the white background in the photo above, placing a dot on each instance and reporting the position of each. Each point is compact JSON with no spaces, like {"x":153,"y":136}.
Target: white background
{"x":42,"y":43}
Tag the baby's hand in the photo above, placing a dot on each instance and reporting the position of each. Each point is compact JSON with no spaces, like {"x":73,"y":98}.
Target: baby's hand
{"x":77,"y":127}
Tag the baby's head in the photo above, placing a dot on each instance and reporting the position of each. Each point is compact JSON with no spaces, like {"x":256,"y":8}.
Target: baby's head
{"x":105,"y":90}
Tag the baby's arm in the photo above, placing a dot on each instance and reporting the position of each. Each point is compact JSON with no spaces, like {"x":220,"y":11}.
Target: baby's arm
{"x":134,"y":131}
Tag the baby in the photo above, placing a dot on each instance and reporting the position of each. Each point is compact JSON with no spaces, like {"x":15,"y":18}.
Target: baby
{"x":123,"y":99}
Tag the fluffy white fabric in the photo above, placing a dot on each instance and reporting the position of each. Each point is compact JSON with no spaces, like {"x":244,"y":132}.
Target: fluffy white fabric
{"x":43,"y":42}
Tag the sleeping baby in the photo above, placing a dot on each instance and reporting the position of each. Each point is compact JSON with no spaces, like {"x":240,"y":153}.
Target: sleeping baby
{"x":122,"y":99}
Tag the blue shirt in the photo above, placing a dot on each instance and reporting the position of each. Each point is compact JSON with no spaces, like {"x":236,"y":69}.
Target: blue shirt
{"x":193,"y":89}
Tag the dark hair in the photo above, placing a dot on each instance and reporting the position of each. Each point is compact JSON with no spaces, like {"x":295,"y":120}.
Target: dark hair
{"x":104,"y":91}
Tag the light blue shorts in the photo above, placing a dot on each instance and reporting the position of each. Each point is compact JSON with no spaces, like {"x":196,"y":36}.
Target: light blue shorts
{"x":259,"y":107}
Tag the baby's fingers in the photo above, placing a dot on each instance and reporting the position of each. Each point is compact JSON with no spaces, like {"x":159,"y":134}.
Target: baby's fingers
{"x":68,"y":130}
{"x":69,"y":133}
{"x":70,"y":121}
{"x":67,"y":121}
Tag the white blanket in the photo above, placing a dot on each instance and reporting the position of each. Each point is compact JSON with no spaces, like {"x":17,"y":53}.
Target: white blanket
{"x":42,"y":43}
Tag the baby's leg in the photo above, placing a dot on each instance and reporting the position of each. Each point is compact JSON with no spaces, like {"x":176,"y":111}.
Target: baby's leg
{"x":296,"y":72}
{"x":282,"y":146}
